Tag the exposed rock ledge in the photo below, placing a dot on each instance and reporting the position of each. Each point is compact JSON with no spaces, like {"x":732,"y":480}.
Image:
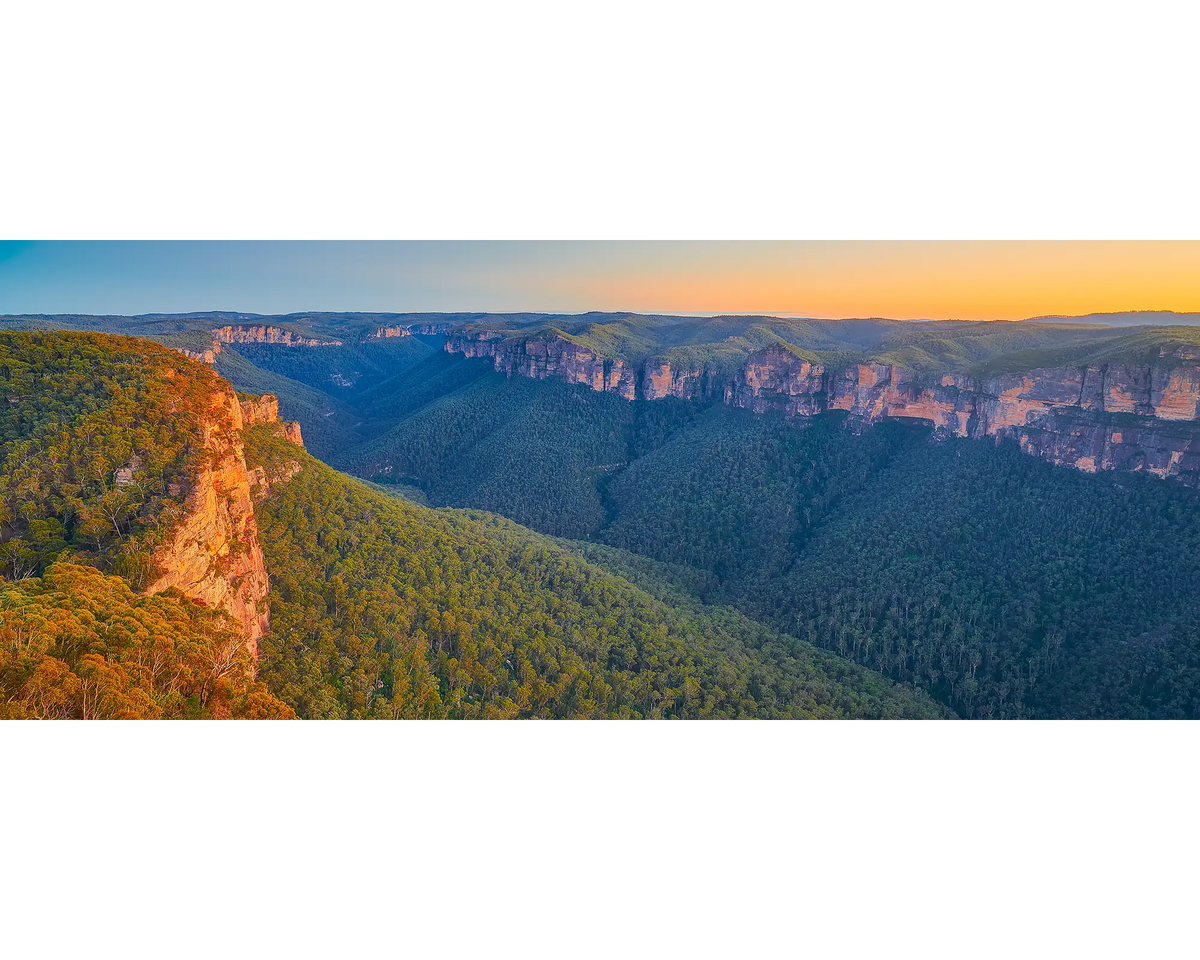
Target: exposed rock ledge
{"x":1136,"y":417}
{"x":215,"y":556}
{"x":208,"y":355}
{"x":261,"y":333}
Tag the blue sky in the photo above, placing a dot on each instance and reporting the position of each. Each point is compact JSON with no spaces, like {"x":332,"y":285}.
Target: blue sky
{"x":967,"y":280}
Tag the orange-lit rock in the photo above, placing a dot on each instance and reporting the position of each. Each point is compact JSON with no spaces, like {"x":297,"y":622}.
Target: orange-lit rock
{"x":672,"y":378}
{"x":291,"y":432}
{"x":256,"y":410}
{"x":215,"y":556}
{"x":1175,"y":394}
{"x":776,"y":379}
{"x":265,"y":409}
{"x":1062,"y":414}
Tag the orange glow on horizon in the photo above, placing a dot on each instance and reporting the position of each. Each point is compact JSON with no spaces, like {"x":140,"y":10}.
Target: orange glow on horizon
{"x":988,"y":280}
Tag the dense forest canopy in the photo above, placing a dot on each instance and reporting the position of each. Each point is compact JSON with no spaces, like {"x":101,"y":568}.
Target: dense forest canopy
{"x":382,"y":608}
{"x":76,"y":643}
{"x":78,"y":409}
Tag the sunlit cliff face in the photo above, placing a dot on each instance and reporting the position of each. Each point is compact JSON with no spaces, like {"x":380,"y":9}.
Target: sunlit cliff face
{"x":215,"y":556}
{"x":1055,"y":413}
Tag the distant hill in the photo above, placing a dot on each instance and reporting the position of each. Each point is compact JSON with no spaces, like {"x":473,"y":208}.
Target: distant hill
{"x":1129,"y":318}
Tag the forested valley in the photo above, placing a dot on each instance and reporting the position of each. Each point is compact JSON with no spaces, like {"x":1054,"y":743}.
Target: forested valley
{"x":690,"y":558}
{"x":379,"y":607}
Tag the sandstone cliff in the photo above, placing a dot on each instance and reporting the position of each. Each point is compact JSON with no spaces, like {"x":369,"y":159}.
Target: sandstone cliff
{"x":261,"y":333}
{"x":385,"y":333}
{"x":1118,"y":416}
{"x":1140,"y":417}
{"x":547,"y":357}
{"x":208,"y":355}
{"x":214,"y":555}
{"x":671,"y":378}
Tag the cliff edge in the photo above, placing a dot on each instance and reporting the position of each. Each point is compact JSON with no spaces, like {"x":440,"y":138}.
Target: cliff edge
{"x":215,"y":556}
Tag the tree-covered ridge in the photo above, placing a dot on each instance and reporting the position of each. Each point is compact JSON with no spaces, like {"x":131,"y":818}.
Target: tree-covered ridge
{"x":98,"y":438}
{"x":80,"y":644}
{"x":722,"y":345}
{"x":1163,"y":347}
{"x":381,"y":608}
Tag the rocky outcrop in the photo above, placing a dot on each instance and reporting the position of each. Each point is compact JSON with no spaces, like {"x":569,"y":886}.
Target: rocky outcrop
{"x":215,"y":556}
{"x":1119,"y":416}
{"x":547,"y":357}
{"x":672,"y":378}
{"x":261,"y":333}
{"x":385,"y":333}
{"x":208,"y":355}
{"x":1107,"y":417}
{"x":265,"y":409}
{"x":1081,"y":440}
{"x":257,"y":410}
{"x":778,"y":380}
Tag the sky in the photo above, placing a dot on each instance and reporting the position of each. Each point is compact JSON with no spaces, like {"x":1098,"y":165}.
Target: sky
{"x":975,"y":280}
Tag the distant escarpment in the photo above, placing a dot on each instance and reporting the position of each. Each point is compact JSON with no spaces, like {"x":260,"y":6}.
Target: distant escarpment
{"x":386,"y":333}
{"x":429,"y":329}
{"x":1141,"y":417}
{"x":687,"y":381}
{"x":207,"y":355}
{"x":261,"y":333}
{"x":1138,"y":417}
{"x":548,"y":357}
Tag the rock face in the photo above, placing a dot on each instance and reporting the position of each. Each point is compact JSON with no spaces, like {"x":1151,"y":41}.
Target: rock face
{"x":384,"y":333}
{"x":215,"y":556}
{"x":778,"y":380}
{"x":1138,"y":417}
{"x":261,"y":333}
{"x":208,"y":355}
{"x":662,"y":378}
{"x":291,"y":432}
{"x":543,"y":358}
{"x":265,"y":409}
{"x":256,"y":410}
{"x":1108,"y":417}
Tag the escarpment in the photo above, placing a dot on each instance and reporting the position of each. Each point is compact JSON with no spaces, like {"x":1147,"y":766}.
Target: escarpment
{"x":262,"y":333}
{"x":672,"y":378}
{"x":214,"y":555}
{"x":548,"y":357}
{"x":1113,"y":416}
{"x":386,"y":333}
{"x":207,"y":355}
{"x":265,"y":409}
{"x":1139,"y":417}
